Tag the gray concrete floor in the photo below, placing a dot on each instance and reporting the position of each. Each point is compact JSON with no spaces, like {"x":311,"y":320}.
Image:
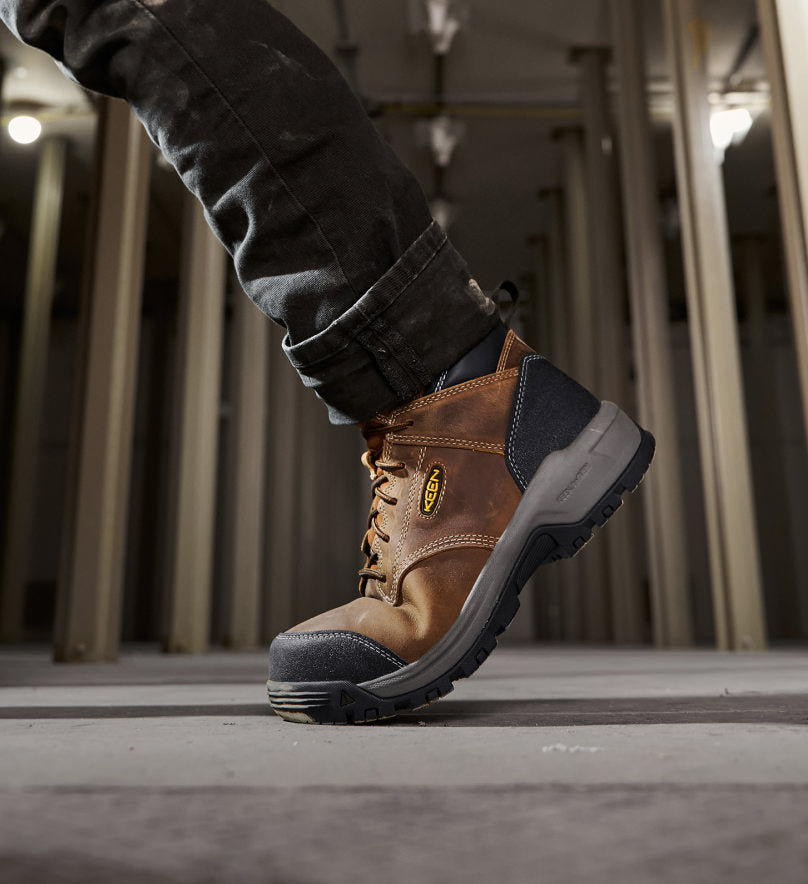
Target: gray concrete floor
{"x":550,"y":765}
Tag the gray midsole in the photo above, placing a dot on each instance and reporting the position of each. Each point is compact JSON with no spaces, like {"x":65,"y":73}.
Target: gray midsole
{"x":564,"y":490}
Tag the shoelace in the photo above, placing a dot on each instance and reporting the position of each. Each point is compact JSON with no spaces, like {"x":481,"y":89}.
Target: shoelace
{"x":374,"y":433}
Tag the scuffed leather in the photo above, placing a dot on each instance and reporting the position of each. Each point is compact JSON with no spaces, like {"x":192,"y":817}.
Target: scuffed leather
{"x":434,"y":592}
{"x":431,"y":562}
{"x":513,"y":350}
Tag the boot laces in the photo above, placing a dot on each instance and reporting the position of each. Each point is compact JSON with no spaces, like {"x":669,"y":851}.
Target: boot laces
{"x":379,"y":469}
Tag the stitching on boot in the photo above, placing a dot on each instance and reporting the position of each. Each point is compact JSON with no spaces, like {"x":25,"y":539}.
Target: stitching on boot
{"x":351,"y":636}
{"x":451,"y":443}
{"x":453,"y":391}
{"x":520,"y":396}
{"x":506,"y":350}
{"x":454,"y":541}
{"x":441,"y":381}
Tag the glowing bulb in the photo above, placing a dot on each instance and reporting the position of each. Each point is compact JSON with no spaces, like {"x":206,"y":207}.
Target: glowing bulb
{"x":24,"y":129}
{"x":729,"y":126}
{"x":442,"y":211}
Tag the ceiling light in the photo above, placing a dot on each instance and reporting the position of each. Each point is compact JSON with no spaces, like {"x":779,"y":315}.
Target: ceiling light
{"x":441,"y":134}
{"x":24,"y":129}
{"x":443,"y":211}
{"x":441,"y":19}
{"x":729,"y":126}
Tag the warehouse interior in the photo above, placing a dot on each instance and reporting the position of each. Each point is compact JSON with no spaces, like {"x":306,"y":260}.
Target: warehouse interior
{"x":640,"y":171}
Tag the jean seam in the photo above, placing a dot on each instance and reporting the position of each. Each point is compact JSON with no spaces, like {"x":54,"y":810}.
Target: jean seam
{"x":249,"y":133}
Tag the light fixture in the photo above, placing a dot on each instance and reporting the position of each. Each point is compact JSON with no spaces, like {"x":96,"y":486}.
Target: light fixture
{"x":443,"y":211}
{"x":24,"y":129}
{"x":441,"y":19}
{"x":441,"y":134}
{"x":729,"y":126}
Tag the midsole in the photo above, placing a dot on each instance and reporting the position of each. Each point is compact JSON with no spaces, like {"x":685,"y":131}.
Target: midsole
{"x":567,"y":485}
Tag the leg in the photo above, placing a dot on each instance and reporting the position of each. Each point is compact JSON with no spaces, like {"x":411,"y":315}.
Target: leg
{"x":330,"y":234}
{"x":486,"y":461}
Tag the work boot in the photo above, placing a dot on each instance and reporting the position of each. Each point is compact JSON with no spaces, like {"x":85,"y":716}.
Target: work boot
{"x":505,"y":464}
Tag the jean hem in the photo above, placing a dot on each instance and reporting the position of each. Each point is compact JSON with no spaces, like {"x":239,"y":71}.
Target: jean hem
{"x":419,"y":318}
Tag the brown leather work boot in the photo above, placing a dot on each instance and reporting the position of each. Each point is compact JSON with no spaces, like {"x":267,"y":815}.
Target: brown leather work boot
{"x":506,"y":464}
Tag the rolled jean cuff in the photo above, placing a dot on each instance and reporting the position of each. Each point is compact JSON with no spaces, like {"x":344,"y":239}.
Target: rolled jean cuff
{"x":417,"y":320}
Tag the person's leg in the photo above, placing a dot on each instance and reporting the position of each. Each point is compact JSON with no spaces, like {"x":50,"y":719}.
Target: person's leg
{"x":330,"y":233}
{"x":486,"y":461}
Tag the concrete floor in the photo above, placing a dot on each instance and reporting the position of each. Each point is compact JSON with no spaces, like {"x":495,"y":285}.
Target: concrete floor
{"x":550,"y":765}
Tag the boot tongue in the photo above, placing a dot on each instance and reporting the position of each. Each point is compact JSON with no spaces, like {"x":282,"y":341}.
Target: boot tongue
{"x":375,"y":441}
{"x":481,"y":360}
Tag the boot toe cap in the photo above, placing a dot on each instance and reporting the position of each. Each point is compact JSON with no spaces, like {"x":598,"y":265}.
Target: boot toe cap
{"x":329,"y":655}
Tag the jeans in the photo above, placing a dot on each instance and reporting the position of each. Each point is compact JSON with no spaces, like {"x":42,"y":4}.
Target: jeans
{"x":330,"y":234}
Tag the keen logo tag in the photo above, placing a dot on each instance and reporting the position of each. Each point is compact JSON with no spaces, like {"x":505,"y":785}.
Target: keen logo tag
{"x":432,"y":489}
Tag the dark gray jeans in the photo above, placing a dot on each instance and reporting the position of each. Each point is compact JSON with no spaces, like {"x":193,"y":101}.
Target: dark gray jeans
{"x":330,"y":234}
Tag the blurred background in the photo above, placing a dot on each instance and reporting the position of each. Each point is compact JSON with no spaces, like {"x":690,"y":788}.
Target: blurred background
{"x":637,"y":168}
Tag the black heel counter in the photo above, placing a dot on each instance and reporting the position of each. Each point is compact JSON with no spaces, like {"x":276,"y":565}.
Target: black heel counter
{"x":549,"y":411}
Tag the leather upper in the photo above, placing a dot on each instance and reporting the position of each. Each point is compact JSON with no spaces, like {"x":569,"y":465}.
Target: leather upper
{"x":461,"y":432}
{"x":435,"y":553}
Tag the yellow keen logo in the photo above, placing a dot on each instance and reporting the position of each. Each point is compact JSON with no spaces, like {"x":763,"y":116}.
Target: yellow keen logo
{"x":432,"y":489}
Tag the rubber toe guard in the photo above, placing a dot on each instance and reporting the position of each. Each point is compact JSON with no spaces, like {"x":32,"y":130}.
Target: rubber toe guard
{"x":329,"y":655}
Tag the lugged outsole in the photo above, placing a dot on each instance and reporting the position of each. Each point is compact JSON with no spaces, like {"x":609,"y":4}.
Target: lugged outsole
{"x":347,"y":703}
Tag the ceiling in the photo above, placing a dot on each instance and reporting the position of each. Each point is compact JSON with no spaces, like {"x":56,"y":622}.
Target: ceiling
{"x":507,"y":75}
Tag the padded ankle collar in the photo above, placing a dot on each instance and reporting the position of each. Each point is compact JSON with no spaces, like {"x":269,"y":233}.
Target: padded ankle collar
{"x":482,"y":359}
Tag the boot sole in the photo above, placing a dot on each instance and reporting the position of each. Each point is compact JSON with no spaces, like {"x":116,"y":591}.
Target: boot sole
{"x":574,"y":491}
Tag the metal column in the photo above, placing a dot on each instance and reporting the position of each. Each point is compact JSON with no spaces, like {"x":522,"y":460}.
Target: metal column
{"x":726,"y":473}
{"x":662,"y":491}
{"x":558,"y":333}
{"x":196,"y":435}
{"x":771,"y":491}
{"x":25,"y":445}
{"x":245,"y":523}
{"x":557,"y":586}
{"x":608,"y":304}
{"x":586,"y":612}
{"x":329,"y":529}
{"x":88,"y":609}
{"x":603,"y":216}
{"x":536,"y":314}
{"x":283,"y":493}
{"x":581,"y":330}
{"x":784,"y":36}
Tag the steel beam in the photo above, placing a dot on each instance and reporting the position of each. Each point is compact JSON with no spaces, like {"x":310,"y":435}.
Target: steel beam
{"x":608,"y":306}
{"x":282,"y":491}
{"x":771,"y":491}
{"x":196,"y":436}
{"x":671,"y":615}
{"x":245,"y":523}
{"x":586,"y":614}
{"x":721,"y":415}
{"x":30,"y":393}
{"x":88,"y":612}
{"x":784,"y":37}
